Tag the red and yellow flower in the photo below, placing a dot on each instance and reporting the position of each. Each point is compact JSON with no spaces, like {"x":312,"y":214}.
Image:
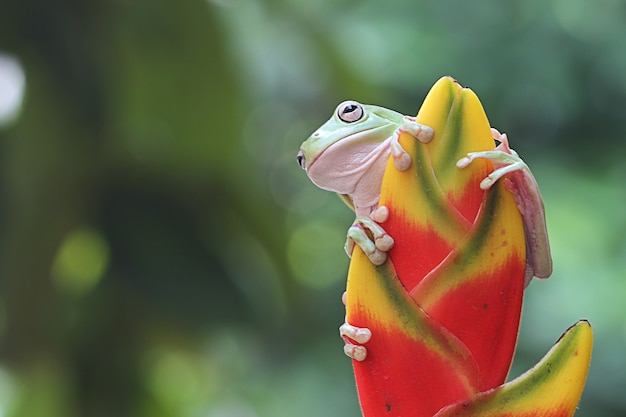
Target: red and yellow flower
{"x":444,"y":311}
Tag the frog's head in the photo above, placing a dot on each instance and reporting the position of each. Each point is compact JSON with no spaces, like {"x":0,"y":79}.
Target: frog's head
{"x":351,"y":129}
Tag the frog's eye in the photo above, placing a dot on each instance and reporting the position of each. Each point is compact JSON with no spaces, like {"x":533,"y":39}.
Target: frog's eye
{"x":350,"y":111}
{"x":301,"y":159}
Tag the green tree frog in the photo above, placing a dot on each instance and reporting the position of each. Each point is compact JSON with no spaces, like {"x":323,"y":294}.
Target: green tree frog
{"x":348,"y":155}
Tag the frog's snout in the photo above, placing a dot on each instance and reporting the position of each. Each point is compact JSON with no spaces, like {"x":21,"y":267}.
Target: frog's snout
{"x":301,"y":159}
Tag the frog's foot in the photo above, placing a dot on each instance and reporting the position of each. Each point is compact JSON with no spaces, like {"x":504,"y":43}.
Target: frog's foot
{"x":423,"y":133}
{"x":504,"y":158}
{"x":376,"y":246}
{"x":360,"y":335}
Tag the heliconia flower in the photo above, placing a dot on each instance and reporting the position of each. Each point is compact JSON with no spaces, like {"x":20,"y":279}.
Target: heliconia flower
{"x":444,"y":311}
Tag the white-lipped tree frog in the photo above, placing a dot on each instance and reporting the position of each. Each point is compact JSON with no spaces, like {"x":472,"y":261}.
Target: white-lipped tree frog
{"x":348,"y":155}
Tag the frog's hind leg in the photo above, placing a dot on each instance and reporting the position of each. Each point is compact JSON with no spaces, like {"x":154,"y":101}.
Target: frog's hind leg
{"x":522,"y":183}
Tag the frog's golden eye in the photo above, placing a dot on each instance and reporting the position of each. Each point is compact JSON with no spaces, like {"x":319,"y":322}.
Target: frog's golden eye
{"x":350,"y":111}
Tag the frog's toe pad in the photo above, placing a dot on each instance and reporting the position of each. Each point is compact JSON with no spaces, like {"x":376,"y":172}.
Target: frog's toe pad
{"x":358,"y":353}
{"x":377,"y":257}
{"x":402,"y":162}
{"x":384,"y":243}
{"x":358,"y":334}
{"x":426,"y":134}
{"x":464,"y":162}
{"x":381,"y":214}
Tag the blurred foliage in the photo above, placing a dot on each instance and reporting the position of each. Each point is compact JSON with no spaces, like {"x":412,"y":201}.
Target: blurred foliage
{"x":161,"y":254}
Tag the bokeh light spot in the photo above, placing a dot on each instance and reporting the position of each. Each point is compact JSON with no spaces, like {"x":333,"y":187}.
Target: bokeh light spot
{"x":12,"y":84}
{"x":315,"y":255}
{"x":80,"y":261}
{"x":174,"y":378}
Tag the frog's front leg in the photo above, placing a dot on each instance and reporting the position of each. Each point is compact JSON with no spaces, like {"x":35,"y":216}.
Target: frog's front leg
{"x":423,"y":133}
{"x":376,"y":246}
{"x":520,"y":181}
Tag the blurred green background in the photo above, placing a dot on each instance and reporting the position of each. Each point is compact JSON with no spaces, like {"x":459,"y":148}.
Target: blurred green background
{"x":161,"y":253}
